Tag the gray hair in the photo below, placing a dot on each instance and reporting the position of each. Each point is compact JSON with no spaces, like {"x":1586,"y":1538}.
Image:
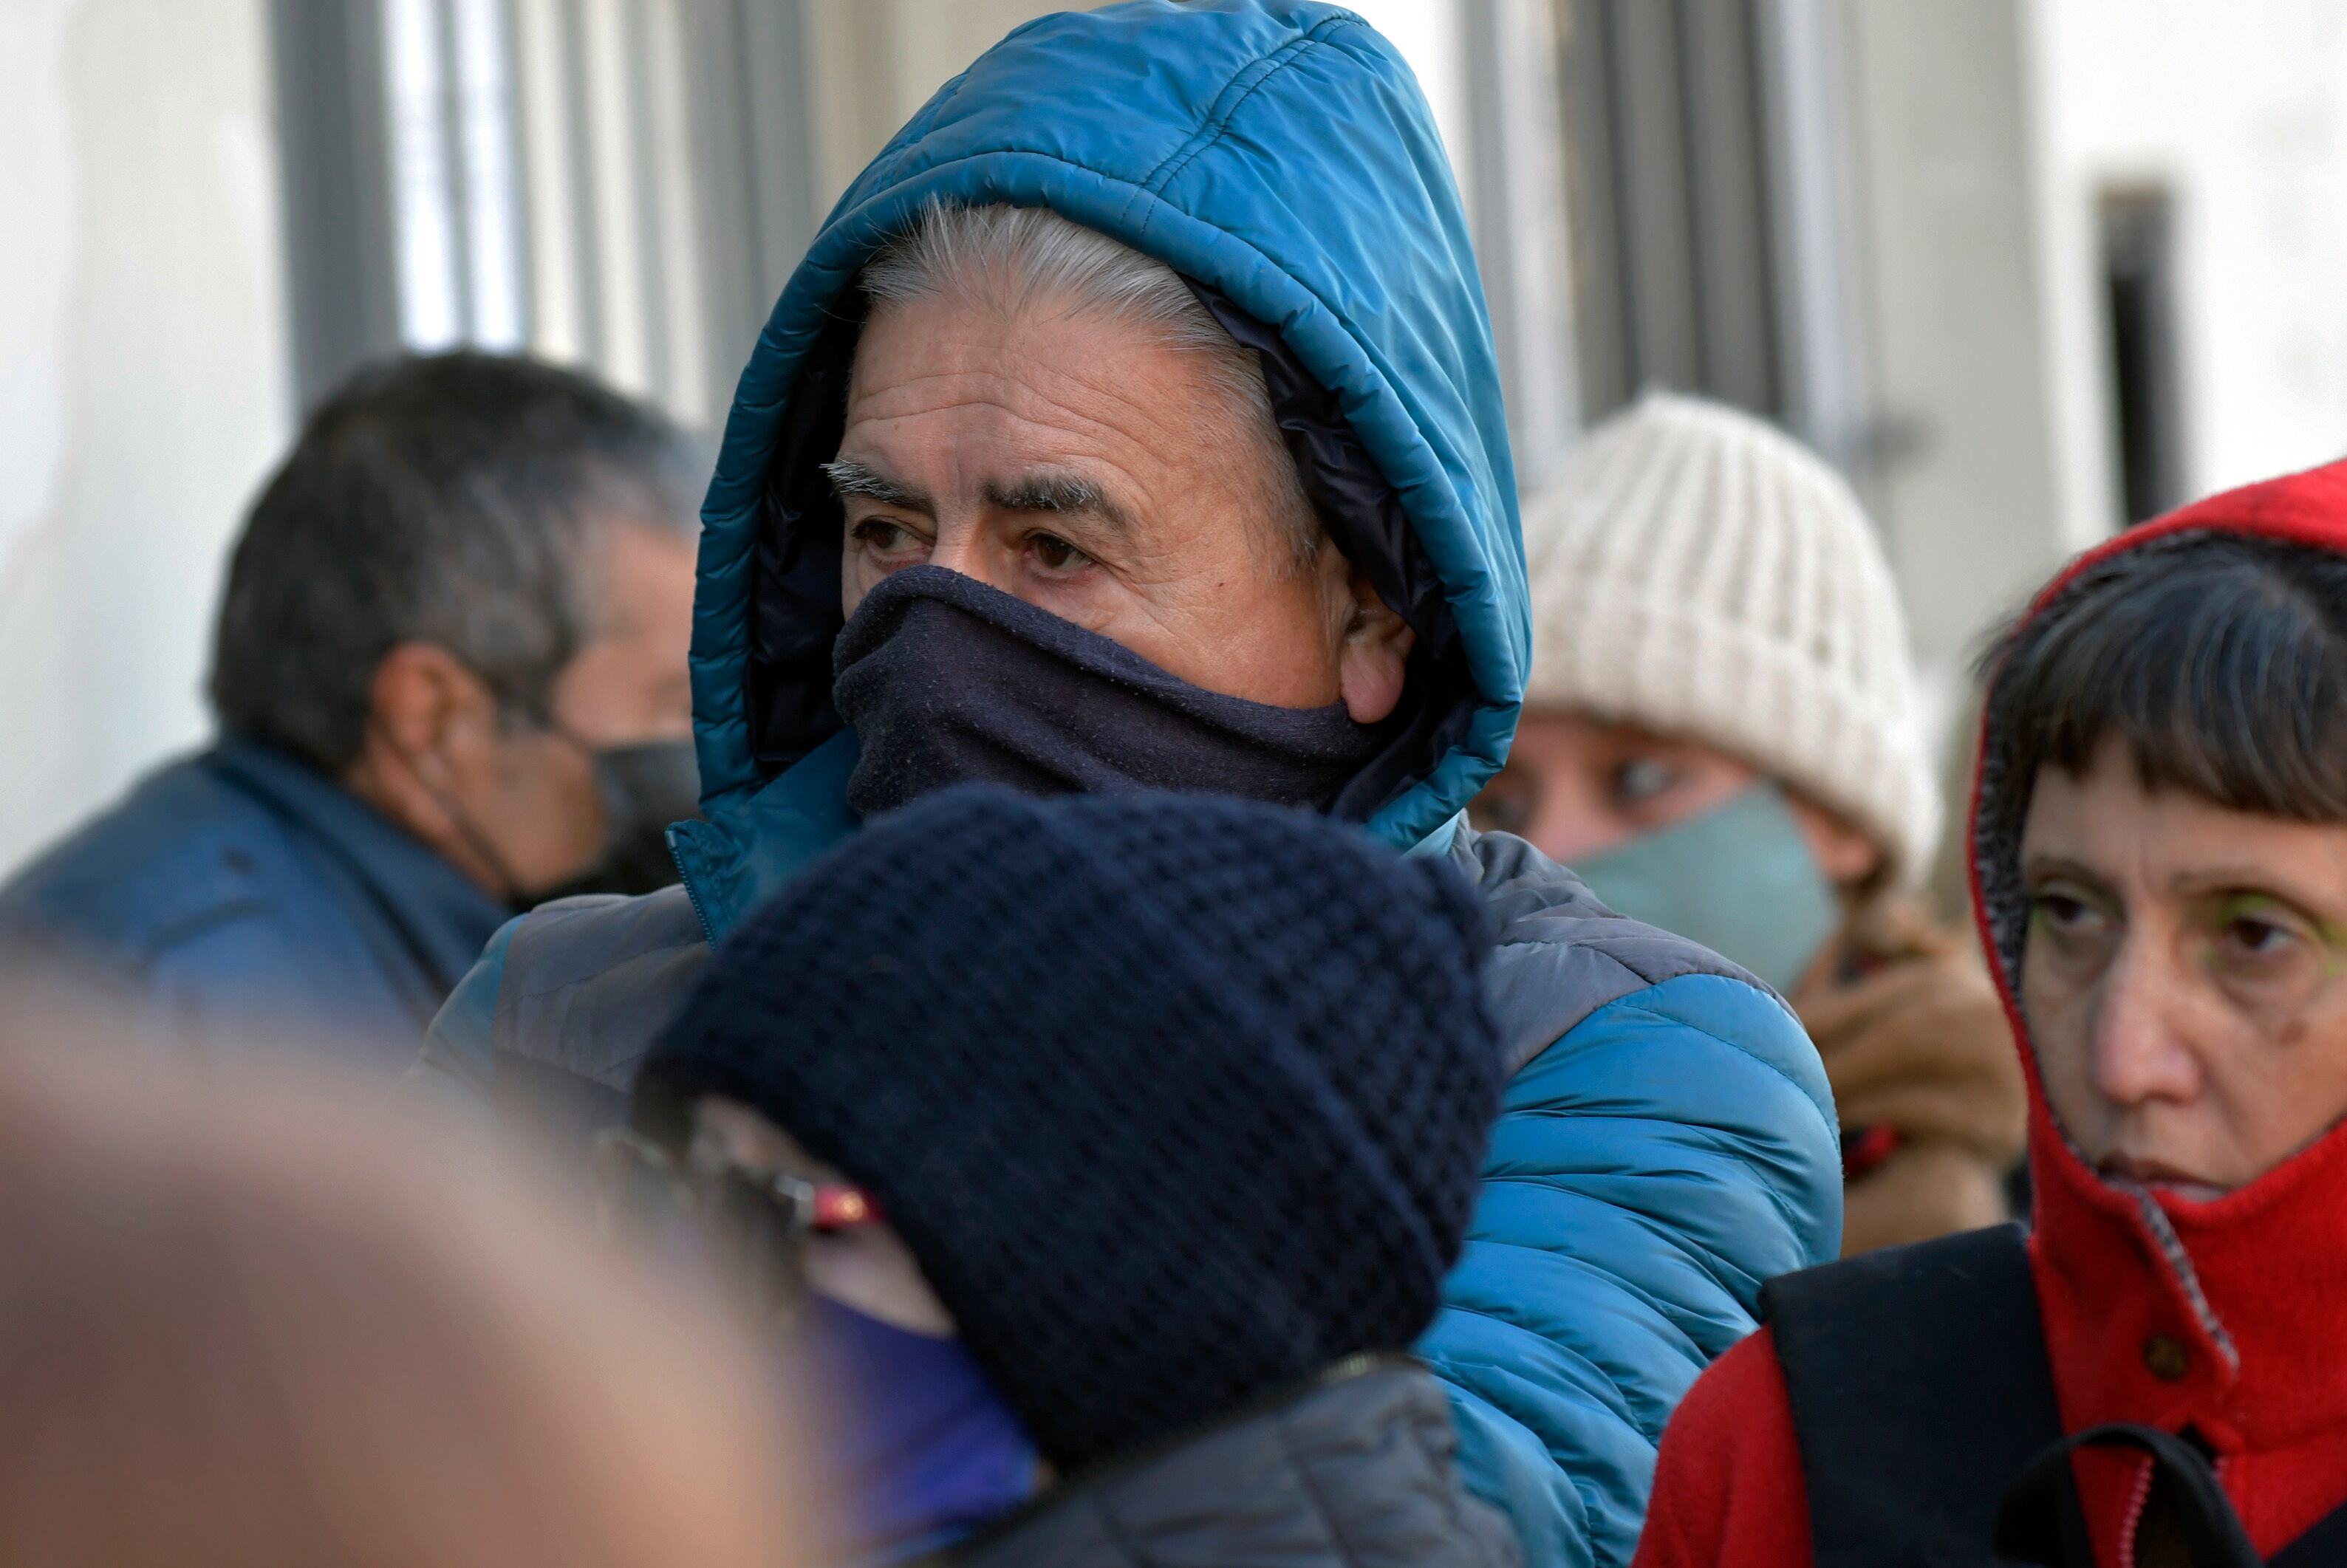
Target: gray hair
{"x":459,"y":499}
{"x":1016,"y":260}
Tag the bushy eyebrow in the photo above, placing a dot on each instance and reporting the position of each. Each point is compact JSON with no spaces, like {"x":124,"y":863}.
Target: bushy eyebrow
{"x":849,"y":477}
{"x":1058,"y":493}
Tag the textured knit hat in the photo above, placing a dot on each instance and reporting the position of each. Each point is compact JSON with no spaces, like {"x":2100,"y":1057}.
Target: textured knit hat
{"x":1176,"y":1100}
{"x":1699,"y":573}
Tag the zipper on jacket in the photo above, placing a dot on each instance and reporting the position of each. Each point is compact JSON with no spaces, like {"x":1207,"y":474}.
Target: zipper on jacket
{"x":675,"y":837}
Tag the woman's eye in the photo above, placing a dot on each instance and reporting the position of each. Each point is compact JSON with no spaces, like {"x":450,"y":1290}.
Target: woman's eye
{"x":2267,"y":955}
{"x":2256,"y":935}
{"x":1504,"y":807}
{"x":1056,"y":554}
{"x":1642,"y":780}
{"x":2061,"y":909}
{"x":2254,"y":930}
{"x":2078,"y":924}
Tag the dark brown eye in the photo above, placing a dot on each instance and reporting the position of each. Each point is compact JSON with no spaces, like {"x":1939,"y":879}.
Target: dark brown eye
{"x":880,"y":534}
{"x":2060,"y":909}
{"x":2254,"y":935}
{"x":1056,"y":554}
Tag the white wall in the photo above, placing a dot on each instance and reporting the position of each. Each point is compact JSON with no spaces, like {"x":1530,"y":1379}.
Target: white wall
{"x":2242,"y":111}
{"x":1984,"y":135}
{"x":143,"y":382}
{"x":1967,"y":457}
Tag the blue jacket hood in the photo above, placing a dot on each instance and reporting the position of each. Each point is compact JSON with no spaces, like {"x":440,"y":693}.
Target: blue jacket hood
{"x":1279,"y":152}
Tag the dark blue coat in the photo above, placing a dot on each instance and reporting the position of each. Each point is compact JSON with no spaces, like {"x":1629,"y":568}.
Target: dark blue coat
{"x":239,"y":897}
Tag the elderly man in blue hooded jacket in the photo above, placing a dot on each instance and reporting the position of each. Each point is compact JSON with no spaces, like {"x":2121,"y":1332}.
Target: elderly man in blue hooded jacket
{"x":1133,"y":422}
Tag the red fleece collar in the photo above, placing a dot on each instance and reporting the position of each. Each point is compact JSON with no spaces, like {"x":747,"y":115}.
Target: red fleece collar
{"x":2223,"y":1315}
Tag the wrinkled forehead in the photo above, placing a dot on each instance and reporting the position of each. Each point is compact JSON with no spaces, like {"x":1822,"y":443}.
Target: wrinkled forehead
{"x":1083,"y":369}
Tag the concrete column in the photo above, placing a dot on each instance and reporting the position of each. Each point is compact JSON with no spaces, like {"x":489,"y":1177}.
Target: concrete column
{"x":1962,"y":470}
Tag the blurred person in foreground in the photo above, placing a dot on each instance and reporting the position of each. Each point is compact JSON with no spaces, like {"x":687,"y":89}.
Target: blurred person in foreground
{"x":1719,"y":736}
{"x":1083,"y":1315}
{"x":449,"y":675}
{"x":248,"y":1323}
{"x":2158,"y":1374}
{"x":1153,"y":439}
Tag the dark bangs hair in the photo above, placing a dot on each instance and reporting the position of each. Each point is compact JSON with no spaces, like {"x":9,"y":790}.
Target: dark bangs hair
{"x":2218,"y":661}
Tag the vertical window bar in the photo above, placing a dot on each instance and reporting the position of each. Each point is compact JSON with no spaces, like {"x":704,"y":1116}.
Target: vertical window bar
{"x":448,"y":101}
{"x":2137,"y":233}
{"x":491,"y":231}
{"x":431,"y":312}
{"x":643,"y":139}
{"x":611,"y":111}
{"x":549,"y":180}
{"x":1604,"y":347}
{"x":1820,"y":306}
{"x":674,"y":229}
{"x":586,"y":190}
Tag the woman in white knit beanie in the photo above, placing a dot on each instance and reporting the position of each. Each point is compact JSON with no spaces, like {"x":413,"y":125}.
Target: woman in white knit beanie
{"x":1720,"y":735}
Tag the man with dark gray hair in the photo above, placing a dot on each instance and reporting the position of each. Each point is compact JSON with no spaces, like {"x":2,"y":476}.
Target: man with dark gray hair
{"x":450,"y":677}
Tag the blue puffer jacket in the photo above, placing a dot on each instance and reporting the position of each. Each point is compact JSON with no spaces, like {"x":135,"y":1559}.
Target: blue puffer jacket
{"x":1669,"y":1141}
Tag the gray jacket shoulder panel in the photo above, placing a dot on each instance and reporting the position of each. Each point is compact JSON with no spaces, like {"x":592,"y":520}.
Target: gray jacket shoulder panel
{"x":1359,"y":1471}
{"x":1560,"y":954}
{"x":589,"y":983}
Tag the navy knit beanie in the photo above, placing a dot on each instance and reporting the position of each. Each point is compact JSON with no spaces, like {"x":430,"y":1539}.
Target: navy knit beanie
{"x":1176,"y":1100}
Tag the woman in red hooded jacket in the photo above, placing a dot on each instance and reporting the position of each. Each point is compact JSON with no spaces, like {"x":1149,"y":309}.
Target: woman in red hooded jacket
{"x":2158,"y":1374}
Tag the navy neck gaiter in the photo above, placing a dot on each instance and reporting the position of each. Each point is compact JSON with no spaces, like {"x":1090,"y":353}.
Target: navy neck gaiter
{"x":947,"y":681}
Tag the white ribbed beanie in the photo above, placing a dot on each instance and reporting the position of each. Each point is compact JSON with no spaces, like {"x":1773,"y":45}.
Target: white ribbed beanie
{"x":1699,"y":573}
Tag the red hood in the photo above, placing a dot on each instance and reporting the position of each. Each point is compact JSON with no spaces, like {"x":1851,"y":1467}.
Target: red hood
{"x":2252,"y":1287}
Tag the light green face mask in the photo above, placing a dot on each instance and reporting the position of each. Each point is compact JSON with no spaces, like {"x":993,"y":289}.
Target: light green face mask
{"x":1740,"y":879}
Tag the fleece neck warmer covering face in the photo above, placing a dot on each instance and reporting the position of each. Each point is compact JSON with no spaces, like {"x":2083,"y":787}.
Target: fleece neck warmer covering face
{"x":947,"y":681}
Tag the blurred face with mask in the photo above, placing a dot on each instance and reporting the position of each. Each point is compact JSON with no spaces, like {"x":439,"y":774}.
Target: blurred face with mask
{"x":450,"y":676}
{"x":467,"y":600}
{"x":1718,"y":732}
{"x":1718,"y":736}
{"x":570,"y":795}
{"x":1684,"y":836}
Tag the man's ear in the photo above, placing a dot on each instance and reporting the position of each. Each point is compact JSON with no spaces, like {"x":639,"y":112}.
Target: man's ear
{"x":423,"y":698}
{"x":1374,"y":658}
{"x":426,"y":715}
